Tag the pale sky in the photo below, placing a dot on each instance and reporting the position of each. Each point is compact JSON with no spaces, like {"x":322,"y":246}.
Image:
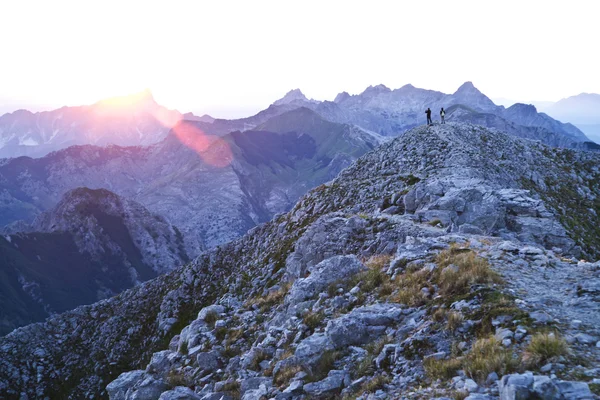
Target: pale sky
{"x":233,"y":58}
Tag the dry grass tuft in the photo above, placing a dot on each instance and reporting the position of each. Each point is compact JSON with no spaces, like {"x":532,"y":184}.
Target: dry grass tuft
{"x":441,"y":369}
{"x":455,"y":320}
{"x":543,"y":347}
{"x":472,"y":269}
{"x":487,"y":356}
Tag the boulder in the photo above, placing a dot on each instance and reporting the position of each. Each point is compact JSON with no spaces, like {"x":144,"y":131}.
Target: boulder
{"x":118,"y":388}
{"x":179,"y":393}
{"x":330,"y":385}
{"x":322,"y":275}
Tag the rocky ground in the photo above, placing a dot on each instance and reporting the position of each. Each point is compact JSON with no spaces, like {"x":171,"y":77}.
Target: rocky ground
{"x":444,"y":264}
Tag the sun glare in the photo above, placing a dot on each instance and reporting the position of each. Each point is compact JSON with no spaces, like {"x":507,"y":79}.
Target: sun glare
{"x":212,"y":149}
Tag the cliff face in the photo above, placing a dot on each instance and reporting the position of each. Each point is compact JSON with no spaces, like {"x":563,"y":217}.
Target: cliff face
{"x":386,"y":278}
{"x":91,"y":246}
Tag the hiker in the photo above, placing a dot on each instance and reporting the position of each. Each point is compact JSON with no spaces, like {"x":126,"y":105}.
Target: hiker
{"x":428,"y":112}
{"x":442,"y":115}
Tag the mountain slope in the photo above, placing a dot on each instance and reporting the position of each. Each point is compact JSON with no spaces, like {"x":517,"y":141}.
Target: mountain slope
{"x":91,"y":246}
{"x":126,"y":121}
{"x":504,"y":202}
{"x":214,"y":189}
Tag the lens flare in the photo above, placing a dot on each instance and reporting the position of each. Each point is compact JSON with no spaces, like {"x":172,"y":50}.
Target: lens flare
{"x":212,"y":149}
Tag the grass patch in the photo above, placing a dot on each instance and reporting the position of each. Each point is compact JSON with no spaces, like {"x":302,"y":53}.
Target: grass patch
{"x":325,"y":364}
{"x":410,"y":284}
{"x":285,"y":374}
{"x":439,"y":315}
{"x":487,"y":356}
{"x":435,"y":222}
{"x":455,"y":320}
{"x":543,"y":347}
{"x":374,"y":384}
{"x":232,"y":388}
{"x":211,"y":318}
{"x":313,"y":319}
{"x":273,"y":298}
{"x":441,"y":369}
{"x":472,"y":269}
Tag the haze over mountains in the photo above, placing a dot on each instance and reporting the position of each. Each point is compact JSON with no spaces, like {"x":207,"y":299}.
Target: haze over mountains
{"x":139,"y":120}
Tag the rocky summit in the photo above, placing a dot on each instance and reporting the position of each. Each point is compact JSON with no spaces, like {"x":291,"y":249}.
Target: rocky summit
{"x":455,"y":261}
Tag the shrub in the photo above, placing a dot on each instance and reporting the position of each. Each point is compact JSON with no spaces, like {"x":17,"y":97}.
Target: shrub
{"x":543,"y":347}
{"x":271,"y":299}
{"x":211,"y":318}
{"x":487,"y":356}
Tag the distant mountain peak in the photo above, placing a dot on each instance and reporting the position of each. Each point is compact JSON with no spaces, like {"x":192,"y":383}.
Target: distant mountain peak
{"x":467,"y":87}
{"x":341,"y":97}
{"x":375,"y":90}
{"x":291,"y":96}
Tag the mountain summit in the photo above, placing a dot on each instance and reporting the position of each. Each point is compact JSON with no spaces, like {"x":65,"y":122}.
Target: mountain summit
{"x":434,"y":264}
{"x":292,"y":96}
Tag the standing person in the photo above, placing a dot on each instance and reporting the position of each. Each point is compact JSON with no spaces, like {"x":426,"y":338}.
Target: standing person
{"x":428,"y":112}
{"x":442,"y":115}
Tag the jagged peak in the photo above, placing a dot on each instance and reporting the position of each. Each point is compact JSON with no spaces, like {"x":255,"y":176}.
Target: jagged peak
{"x":377,"y":89}
{"x":467,"y":87}
{"x":341,"y":97}
{"x":291,"y":96}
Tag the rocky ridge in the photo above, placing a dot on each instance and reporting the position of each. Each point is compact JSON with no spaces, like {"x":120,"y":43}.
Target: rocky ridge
{"x":401,"y":278}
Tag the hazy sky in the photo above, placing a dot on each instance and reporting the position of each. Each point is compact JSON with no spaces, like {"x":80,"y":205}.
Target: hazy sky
{"x":231,"y":58}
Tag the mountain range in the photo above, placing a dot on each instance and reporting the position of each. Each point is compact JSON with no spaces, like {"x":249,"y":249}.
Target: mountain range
{"x":582,"y":110}
{"x":127,"y":121}
{"x":139,"y":120}
{"x":448,"y":262}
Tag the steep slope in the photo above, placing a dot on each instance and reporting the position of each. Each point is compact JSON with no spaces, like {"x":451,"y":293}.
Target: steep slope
{"x":344,"y":291}
{"x":91,"y":246}
{"x":214,"y":189}
{"x":126,"y":121}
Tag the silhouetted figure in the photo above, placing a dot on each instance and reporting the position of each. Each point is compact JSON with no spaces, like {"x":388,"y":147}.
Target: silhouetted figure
{"x":442,"y":115}
{"x":428,"y":112}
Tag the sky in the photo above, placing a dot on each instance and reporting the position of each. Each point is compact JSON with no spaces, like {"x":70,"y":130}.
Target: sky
{"x":233,"y":58}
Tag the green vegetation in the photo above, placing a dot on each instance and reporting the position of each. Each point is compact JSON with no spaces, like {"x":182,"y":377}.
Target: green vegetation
{"x":487,"y":356}
{"x":543,"y":347}
{"x":441,"y":369}
{"x":313,"y":319}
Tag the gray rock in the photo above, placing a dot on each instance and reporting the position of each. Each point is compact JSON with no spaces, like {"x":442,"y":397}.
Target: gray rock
{"x":147,"y":389}
{"x":330,"y":385}
{"x":215,"y":309}
{"x":471,"y":385}
{"x":118,"y":388}
{"x":321,"y":275}
{"x":208,"y":361}
{"x":516,"y":386}
{"x":545,"y":388}
{"x":179,"y":393}
{"x":575,"y":390}
{"x":584,"y":338}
